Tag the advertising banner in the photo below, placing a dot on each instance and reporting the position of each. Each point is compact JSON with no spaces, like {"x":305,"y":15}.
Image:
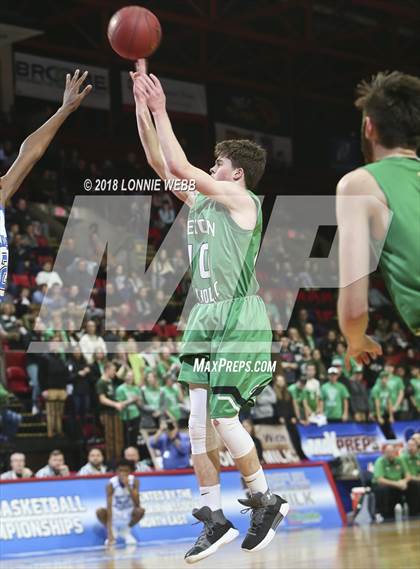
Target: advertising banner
{"x":364,"y":440}
{"x":60,"y":514}
{"x":44,"y":78}
{"x":279,"y":148}
{"x":404,"y":430}
{"x":181,"y":96}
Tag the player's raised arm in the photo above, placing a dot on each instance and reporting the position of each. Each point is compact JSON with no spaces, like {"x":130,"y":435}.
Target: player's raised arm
{"x":148,"y":135}
{"x":35,"y":145}
{"x":231,"y":195}
{"x":354,"y":238}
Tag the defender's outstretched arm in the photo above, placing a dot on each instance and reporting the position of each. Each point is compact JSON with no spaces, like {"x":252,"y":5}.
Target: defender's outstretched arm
{"x":35,"y":145}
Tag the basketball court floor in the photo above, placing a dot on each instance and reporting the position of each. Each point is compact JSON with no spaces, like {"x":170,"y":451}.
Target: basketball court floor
{"x":386,"y":546}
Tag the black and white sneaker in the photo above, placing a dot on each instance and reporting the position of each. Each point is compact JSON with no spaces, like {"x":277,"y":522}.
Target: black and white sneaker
{"x":267,"y":511}
{"x":217,"y":531}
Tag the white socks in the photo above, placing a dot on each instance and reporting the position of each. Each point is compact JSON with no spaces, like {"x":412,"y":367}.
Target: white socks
{"x":210,"y":496}
{"x":257,"y":482}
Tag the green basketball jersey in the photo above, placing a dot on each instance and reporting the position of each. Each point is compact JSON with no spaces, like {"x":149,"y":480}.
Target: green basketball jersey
{"x":399,"y":179}
{"x":222,"y":254}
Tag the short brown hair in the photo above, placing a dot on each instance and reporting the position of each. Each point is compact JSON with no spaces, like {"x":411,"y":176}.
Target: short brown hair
{"x":392,"y":100}
{"x":245,"y":154}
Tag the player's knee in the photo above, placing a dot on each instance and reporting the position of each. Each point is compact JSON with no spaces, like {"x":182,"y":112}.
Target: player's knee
{"x":237,"y":440}
{"x":197,"y":431}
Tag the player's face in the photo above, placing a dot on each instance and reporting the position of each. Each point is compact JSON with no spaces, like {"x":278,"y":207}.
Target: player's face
{"x":222,"y":169}
{"x":123,"y":473}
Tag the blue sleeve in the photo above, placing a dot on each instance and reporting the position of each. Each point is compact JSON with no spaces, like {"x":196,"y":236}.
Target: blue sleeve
{"x":158,"y":444}
{"x":184,"y":447}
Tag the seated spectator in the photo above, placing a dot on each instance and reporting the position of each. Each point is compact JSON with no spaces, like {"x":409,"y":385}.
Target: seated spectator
{"x":174,"y":446}
{"x":9,"y":420}
{"x":335,"y":398}
{"x":53,"y":378}
{"x":392,"y":484}
{"x":13,"y":330}
{"x":55,"y":467}
{"x":130,"y":415}
{"x":132,"y":454}
{"x":263,"y":411}
{"x":17,"y":468}
{"x":95,"y":464}
{"x":359,"y":396}
{"x":47,"y":276}
{"x":411,"y":460}
{"x":90,"y":342}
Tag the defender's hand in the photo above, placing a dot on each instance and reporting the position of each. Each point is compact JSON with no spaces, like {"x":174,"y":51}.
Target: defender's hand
{"x":72,"y":98}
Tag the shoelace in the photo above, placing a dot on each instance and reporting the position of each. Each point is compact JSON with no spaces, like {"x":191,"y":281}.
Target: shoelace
{"x":257,"y":516}
{"x":207,"y":530}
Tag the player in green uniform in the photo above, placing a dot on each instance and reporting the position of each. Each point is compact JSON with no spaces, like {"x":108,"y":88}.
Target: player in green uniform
{"x":227,"y":342}
{"x":389,"y":212}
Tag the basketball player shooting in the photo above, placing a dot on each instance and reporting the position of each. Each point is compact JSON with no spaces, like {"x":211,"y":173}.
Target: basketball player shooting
{"x":31,"y":151}
{"x":225,"y":223}
{"x":390,"y":104}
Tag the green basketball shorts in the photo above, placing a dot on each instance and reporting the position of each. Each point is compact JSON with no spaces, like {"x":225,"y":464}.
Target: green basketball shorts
{"x":227,"y":347}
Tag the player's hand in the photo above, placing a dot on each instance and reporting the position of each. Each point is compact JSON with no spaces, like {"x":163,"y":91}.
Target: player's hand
{"x":362,"y":351}
{"x":72,"y":97}
{"x":139,"y":94}
{"x":155,"y":97}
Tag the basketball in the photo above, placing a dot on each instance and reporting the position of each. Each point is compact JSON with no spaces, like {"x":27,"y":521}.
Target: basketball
{"x":134,"y":32}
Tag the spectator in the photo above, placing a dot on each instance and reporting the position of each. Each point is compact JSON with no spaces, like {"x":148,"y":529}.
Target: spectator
{"x":55,"y":467}
{"x":90,"y":342}
{"x":414,"y":393}
{"x":335,"y":398}
{"x":48,"y":277}
{"x":328,"y":346}
{"x":80,"y":376}
{"x":321,"y":370}
{"x":396,"y":390}
{"x":391,"y":484}
{"x":288,"y":363}
{"x":263,"y":411}
{"x":174,"y":446}
{"x":136,"y":361}
{"x":109,"y":410}
{"x":9,"y":420}
{"x":130,"y":415}
{"x":151,"y":400}
{"x":95,"y":464}
{"x":171,"y":398}
{"x":411,"y":461}
{"x":54,"y":378}
{"x":98,"y":365}
{"x":298,"y":394}
{"x":272,"y":309}
{"x":132,"y":454}
{"x":167,"y":363}
{"x":359,"y":396}
{"x":308,"y":335}
{"x":17,"y":468}
{"x":312,"y":389}
{"x":381,"y":400}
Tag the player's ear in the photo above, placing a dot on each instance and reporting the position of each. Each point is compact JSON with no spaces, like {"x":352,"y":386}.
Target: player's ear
{"x":238,"y":173}
{"x":368,"y":127}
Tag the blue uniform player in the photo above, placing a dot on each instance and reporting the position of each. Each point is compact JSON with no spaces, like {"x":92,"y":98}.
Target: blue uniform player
{"x":32,"y":149}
